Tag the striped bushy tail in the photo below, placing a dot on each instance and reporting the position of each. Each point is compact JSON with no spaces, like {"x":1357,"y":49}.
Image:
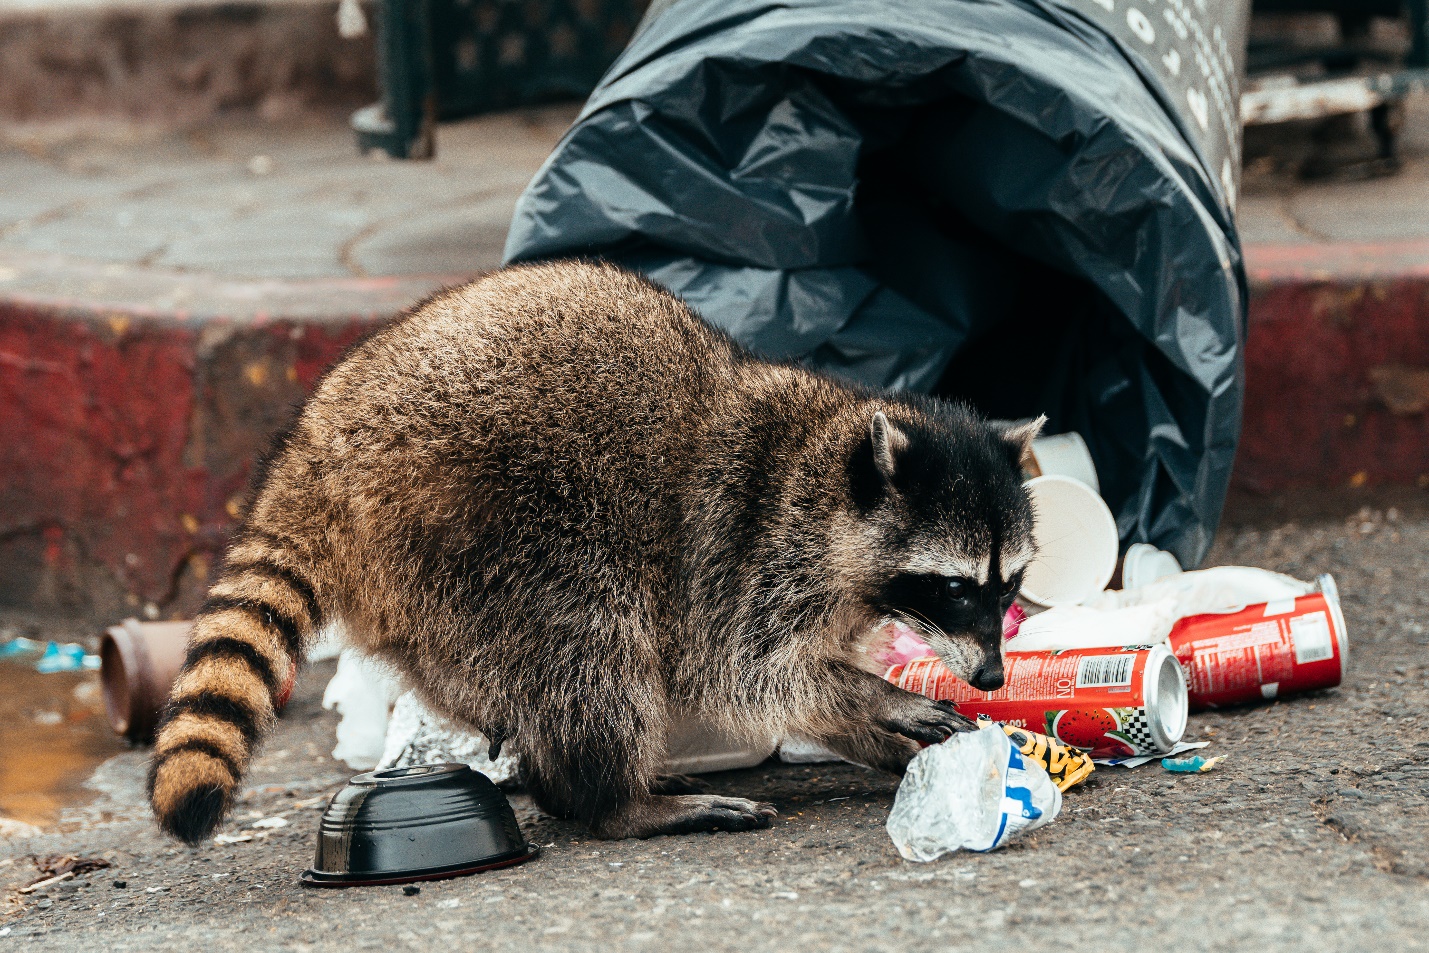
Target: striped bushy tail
{"x":247,"y":642}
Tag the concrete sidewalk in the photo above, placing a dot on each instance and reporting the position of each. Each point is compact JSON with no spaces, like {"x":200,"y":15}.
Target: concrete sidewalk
{"x":166,"y":296}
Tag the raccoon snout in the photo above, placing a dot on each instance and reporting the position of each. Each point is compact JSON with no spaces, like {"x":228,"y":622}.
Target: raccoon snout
{"x":988,"y":677}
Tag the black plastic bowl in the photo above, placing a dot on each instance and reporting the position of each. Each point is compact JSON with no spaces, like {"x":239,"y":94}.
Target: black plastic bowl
{"x":425,"y":822}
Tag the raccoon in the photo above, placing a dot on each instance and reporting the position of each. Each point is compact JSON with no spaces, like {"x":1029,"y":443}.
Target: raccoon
{"x":569,"y":512}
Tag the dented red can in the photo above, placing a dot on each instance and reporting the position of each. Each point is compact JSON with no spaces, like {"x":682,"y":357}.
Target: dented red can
{"x":1112,"y":702}
{"x":1264,"y":651}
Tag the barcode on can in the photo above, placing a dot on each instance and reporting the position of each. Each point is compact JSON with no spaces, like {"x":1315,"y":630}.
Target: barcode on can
{"x":1105,"y":671}
{"x":1310,"y":634}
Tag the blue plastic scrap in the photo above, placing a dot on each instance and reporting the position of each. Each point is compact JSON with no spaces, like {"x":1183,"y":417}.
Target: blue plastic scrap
{"x":65,"y":657}
{"x":1192,"y":765}
{"x":19,"y":646}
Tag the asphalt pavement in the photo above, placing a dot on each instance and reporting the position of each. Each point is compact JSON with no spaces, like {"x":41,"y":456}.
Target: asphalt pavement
{"x":1312,"y":834}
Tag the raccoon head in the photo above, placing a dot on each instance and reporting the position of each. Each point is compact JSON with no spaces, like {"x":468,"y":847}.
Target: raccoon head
{"x":946,"y":528}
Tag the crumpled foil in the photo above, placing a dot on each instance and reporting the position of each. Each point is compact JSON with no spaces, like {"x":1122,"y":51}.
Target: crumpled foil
{"x":418,"y":735}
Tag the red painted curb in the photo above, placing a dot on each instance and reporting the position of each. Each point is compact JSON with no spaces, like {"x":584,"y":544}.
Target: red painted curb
{"x":133,"y":403}
{"x":1337,"y":367}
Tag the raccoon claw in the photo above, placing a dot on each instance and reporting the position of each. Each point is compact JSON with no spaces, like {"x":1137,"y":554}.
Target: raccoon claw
{"x":495,"y":739}
{"x":935,"y":722}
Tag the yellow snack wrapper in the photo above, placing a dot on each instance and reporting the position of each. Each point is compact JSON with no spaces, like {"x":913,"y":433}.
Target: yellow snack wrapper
{"x":1065,"y":765}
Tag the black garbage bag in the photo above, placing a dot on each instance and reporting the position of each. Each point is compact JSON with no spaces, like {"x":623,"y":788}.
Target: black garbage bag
{"x":1024,"y":203}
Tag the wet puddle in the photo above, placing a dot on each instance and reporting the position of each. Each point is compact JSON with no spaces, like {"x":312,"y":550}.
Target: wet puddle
{"x":53,"y":734}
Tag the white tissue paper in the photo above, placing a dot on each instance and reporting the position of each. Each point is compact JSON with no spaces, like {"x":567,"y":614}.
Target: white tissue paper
{"x":362,"y":691}
{"x":1145,"y":616}
{"x":974,"y":791}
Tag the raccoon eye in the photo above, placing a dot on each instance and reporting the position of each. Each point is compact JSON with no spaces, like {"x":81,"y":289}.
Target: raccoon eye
{"x":1009,"y":589}
{"x":959,"y":588}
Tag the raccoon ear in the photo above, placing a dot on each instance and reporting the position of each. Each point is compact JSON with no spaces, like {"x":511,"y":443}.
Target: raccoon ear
{"x":888,"y":441}
{"x":1019,"y":437}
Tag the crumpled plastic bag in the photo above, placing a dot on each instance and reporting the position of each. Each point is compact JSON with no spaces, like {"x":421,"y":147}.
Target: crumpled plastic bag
{"x":974,"y":791}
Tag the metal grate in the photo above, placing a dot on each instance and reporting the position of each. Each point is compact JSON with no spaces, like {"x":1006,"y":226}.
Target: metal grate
{"x":496,"y":54}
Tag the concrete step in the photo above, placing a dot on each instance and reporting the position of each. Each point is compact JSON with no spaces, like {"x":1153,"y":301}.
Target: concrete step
{"x":178,"y":60}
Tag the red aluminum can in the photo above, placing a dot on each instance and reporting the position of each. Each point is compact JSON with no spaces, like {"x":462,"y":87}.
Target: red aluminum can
{"x":1264,"y":651}
{"x":1112,"y":702}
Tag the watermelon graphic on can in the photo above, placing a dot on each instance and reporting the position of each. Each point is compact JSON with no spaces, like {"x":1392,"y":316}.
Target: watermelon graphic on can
{"x":1112,"y":702}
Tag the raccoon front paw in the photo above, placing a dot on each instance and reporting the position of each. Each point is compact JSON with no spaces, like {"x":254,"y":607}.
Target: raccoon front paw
{"x":928,"y":721}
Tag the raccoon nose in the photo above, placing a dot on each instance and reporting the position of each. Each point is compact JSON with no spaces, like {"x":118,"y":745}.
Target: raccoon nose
{"x":988,"y":678}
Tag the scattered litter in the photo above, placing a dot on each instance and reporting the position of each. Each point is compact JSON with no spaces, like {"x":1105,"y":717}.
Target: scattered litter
{"x":450,"y":904}
{"x":66,"y":657}
{"x":60,"y":867}
{"x":785,"y":895}
{"x":1266,"y":650}
{"x":47,"y":882}
{"x":799,"y":750}
{"x":121,"y":885}
{"x":1145,"y":564}
{"x":418,"y":735}
{"x":270,"y":823}
{"x":411,"y":890}
{"x":974,"y":791}
{"x":1012,"y":621}
{"x":1181,"y":747}
{"x":232,"y":838}
{"x":1192,"y":765}
{"x":362,"y":691}
{"x":1129,"y":700}
{"x":20,"y":646}
{"x":351,"y":21}
{"x":9,"y":827}
{"x":1065,"y":765}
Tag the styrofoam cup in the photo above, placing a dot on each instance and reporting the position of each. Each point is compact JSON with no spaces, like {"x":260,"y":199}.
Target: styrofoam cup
{"x":1077,"y":543}
{"x":1065,"y":454}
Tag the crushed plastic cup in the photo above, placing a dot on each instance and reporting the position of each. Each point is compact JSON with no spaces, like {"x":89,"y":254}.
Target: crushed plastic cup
{"x":975,"y":792}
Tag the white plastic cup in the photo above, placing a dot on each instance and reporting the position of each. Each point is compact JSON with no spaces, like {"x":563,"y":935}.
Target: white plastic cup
{"x":1065,"y":454}
{"x":1077,"y":543}
{"x":1145,"y":564}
